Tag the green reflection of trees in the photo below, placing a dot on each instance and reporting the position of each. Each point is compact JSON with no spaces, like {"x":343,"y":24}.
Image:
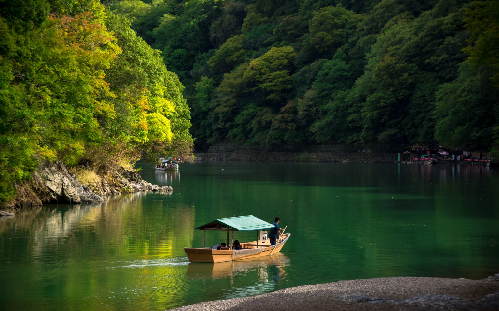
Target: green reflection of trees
{"x":347,"y":221}
{"x":95,"y":257}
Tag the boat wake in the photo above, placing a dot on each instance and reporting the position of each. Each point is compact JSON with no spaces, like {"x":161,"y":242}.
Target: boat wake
{"x":178,"y":261}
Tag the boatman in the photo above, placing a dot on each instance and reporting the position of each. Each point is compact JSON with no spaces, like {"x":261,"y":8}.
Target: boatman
{"x":275,"y":231}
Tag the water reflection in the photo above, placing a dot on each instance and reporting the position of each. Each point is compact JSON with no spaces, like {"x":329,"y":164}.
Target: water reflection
{"x":236,"y":268}
{"x":240,"y":278}
{"x":167,"y":177}
{"x":103,"y":255}
{"x":127,"y":253}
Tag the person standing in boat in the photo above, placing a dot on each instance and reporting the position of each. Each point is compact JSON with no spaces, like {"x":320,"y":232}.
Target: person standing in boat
{"x":275,"y":232}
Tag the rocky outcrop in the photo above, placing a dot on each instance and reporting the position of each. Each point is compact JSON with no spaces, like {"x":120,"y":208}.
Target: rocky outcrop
{"x":130,"y":175}
{"x":56,"y":185}
{"x":145,"y":186}
{"x":53,"y":183}
{"x":128,"y":181}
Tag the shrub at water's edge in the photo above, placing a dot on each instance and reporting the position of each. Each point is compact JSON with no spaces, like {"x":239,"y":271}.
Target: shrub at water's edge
{"x":78,"y":86}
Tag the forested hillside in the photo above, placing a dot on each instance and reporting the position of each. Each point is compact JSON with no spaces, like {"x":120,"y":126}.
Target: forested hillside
{"x":78,"y":85}
{"x":390,"y":72}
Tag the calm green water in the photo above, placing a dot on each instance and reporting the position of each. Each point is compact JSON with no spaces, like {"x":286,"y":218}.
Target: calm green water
{"x":347,"y":221}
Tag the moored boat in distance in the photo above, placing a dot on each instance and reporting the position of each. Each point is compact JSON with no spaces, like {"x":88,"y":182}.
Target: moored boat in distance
{"x":167,"y":165}
{"x":259,"y":248}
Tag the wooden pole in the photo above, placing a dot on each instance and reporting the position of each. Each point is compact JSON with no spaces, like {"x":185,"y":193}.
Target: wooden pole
{"x":257,"y":237}
{"x":232,"y":239}
{"x":228,"y":237}
{"x":204,"y":234}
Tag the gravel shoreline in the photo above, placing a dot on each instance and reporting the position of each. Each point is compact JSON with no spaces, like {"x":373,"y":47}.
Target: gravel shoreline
{"x":396,"y":293}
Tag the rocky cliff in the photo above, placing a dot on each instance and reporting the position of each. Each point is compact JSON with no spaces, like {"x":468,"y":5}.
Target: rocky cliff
{"x":54,"y":183}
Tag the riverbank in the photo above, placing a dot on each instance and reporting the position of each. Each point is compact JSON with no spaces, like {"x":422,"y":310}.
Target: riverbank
{"x":55,"y":183}
{"x":295,"y":153}
{"x":315,"y":153}
{"x":396,"y":293}
{"x":266,"y":156}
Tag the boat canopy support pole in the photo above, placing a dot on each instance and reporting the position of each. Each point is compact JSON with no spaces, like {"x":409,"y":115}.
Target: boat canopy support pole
{"x":257,"y":237}
{"x":204,"y":235}
{"x":232,"y":239}
{"x":228,"y":238}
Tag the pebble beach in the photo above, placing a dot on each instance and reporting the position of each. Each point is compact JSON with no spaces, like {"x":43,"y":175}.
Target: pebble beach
{"x":395,"y":293}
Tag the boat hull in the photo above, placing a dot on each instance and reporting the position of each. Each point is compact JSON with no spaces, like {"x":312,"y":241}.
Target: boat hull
{"x":249,"y":251}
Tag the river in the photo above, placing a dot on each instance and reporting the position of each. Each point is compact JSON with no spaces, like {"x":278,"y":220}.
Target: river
{"x":347,"y":221}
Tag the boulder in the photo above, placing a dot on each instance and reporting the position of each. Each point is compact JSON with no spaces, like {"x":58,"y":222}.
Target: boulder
{"x":87,"y":196}
{"x":131,"y":175}
{"x":59,"y":183}
{"x":62,"y":186}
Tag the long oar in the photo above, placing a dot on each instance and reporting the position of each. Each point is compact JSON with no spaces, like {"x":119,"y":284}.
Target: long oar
{"x":282,"y":232}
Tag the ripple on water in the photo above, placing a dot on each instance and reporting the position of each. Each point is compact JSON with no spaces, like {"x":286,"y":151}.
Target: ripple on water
{"x":142,"y":263}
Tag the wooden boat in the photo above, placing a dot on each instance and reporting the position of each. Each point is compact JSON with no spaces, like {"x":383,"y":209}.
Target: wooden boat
{"x":167,"y":165}
{"x":259,"y":248}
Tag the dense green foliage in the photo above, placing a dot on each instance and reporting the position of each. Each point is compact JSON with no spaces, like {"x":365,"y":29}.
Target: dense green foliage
{"x":78,"y":85}
{"x":378,"y":72}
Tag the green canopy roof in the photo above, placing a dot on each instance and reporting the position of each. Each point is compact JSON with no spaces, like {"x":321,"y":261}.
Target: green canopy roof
{"x":240,"y":223}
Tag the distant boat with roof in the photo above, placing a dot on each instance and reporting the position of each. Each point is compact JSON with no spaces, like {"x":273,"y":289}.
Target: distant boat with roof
{"x":249,"y":250}
{"x":167,"y":164}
